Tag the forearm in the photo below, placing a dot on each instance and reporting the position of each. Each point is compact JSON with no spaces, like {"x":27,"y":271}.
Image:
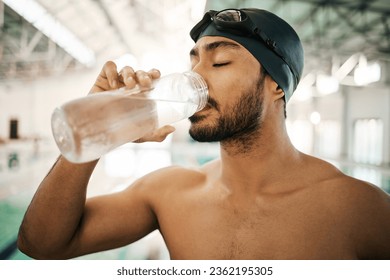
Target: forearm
{"x":53,"y":217}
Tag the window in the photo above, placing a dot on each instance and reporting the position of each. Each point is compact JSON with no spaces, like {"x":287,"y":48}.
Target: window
{"x":329,"y":139}
{"x":368,"y":141}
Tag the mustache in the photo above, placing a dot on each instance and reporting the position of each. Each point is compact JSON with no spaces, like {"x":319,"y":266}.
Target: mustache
{"x":213,"y":103}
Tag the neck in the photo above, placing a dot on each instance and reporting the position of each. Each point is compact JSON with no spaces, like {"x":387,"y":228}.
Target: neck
{"x":259,"y":161}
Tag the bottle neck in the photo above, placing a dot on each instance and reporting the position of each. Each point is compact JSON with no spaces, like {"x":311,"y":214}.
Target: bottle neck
{"x":200,"y":87}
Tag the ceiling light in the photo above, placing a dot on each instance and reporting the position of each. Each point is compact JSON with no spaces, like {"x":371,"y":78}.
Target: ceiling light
{"x":315,"y":118}
{"x":327,"y":84}
{"x":40,"y":18}
{"x":366,"y":74}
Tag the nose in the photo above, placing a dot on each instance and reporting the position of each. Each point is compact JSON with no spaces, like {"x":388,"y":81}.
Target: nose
{"x":200,"y":70}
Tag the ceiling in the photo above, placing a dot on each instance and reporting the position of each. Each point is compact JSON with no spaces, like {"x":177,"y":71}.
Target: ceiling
{"x":331,"y":30}
{"x":146,"y":31}
{"x":157,"y":30}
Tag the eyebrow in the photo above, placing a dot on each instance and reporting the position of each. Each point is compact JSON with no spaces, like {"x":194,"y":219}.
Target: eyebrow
{"x":215,"y":45}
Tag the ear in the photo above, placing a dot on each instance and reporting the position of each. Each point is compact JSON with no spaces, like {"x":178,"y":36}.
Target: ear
{"x":279,"y":92}
{"x":276,"y":91}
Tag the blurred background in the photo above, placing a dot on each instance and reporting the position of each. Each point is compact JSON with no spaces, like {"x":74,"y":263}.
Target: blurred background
{"x":52,"y":52}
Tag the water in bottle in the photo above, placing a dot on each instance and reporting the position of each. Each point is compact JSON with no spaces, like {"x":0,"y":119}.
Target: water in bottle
{"x":87,"y":128}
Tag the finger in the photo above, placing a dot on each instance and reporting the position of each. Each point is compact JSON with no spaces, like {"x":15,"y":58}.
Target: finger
{"x":143,"y":78}
{"x":161,"y":134}
{"x":110,"y":72}
{"x":158,"y":135}
{"x":154,"y":73}
{"x":164,"y":131}
{"x":128,"y":76}
{"x":105,"y":78}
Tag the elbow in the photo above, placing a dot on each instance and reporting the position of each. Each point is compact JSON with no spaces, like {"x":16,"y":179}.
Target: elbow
{"x":35,"y":250}
{"x":27,"y":247}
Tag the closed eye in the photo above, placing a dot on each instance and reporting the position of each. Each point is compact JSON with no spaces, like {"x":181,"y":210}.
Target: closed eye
{"x":220,"y":64}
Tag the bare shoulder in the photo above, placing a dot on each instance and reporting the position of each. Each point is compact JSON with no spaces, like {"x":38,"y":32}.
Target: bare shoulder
{"x":351,"y":191}
{"x":172,"y":176}
{"x":366,"y":200}
{"x":168,"y":181}
{"x":327,"y":178}
{"x":368,"y":208}
{"x":363,"y":208}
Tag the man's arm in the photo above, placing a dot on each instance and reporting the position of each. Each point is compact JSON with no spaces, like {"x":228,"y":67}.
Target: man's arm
{"x":61,"y":223}
{"x":55,"y":212}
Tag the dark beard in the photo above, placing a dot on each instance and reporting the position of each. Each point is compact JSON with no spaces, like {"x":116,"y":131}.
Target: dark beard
{"x":240,"y":126}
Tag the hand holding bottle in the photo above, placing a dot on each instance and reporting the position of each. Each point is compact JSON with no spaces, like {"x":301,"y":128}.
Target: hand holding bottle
{"x":125,"y":107}
{"x":109,"y":79}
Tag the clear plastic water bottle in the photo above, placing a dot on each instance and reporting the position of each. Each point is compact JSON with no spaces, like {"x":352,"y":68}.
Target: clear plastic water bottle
{"x":87,"y":128}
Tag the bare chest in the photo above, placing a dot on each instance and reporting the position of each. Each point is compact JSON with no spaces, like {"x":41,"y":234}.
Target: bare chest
{"x":218,"y":230}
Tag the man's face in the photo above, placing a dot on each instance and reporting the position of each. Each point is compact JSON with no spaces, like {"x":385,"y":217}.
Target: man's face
{"x":235,"y":87}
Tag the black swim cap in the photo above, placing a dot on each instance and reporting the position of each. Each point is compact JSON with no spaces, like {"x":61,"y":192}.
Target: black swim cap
{"x":270,"y":39}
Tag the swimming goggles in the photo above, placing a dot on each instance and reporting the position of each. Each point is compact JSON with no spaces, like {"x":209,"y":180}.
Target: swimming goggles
{"x":237,"y":22}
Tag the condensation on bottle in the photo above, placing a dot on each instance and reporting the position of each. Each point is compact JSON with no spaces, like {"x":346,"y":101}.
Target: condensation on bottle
{"x":89,"y":127}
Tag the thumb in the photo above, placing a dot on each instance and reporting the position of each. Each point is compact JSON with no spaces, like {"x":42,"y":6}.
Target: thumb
{"x":157,"y":135}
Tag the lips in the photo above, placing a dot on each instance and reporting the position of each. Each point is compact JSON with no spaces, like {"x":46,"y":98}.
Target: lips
{"x":198,"y":116}
{"x":212,"y":104}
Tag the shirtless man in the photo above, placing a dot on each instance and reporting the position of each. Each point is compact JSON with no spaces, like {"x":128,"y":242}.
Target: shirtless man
{"x":262,"y":199}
